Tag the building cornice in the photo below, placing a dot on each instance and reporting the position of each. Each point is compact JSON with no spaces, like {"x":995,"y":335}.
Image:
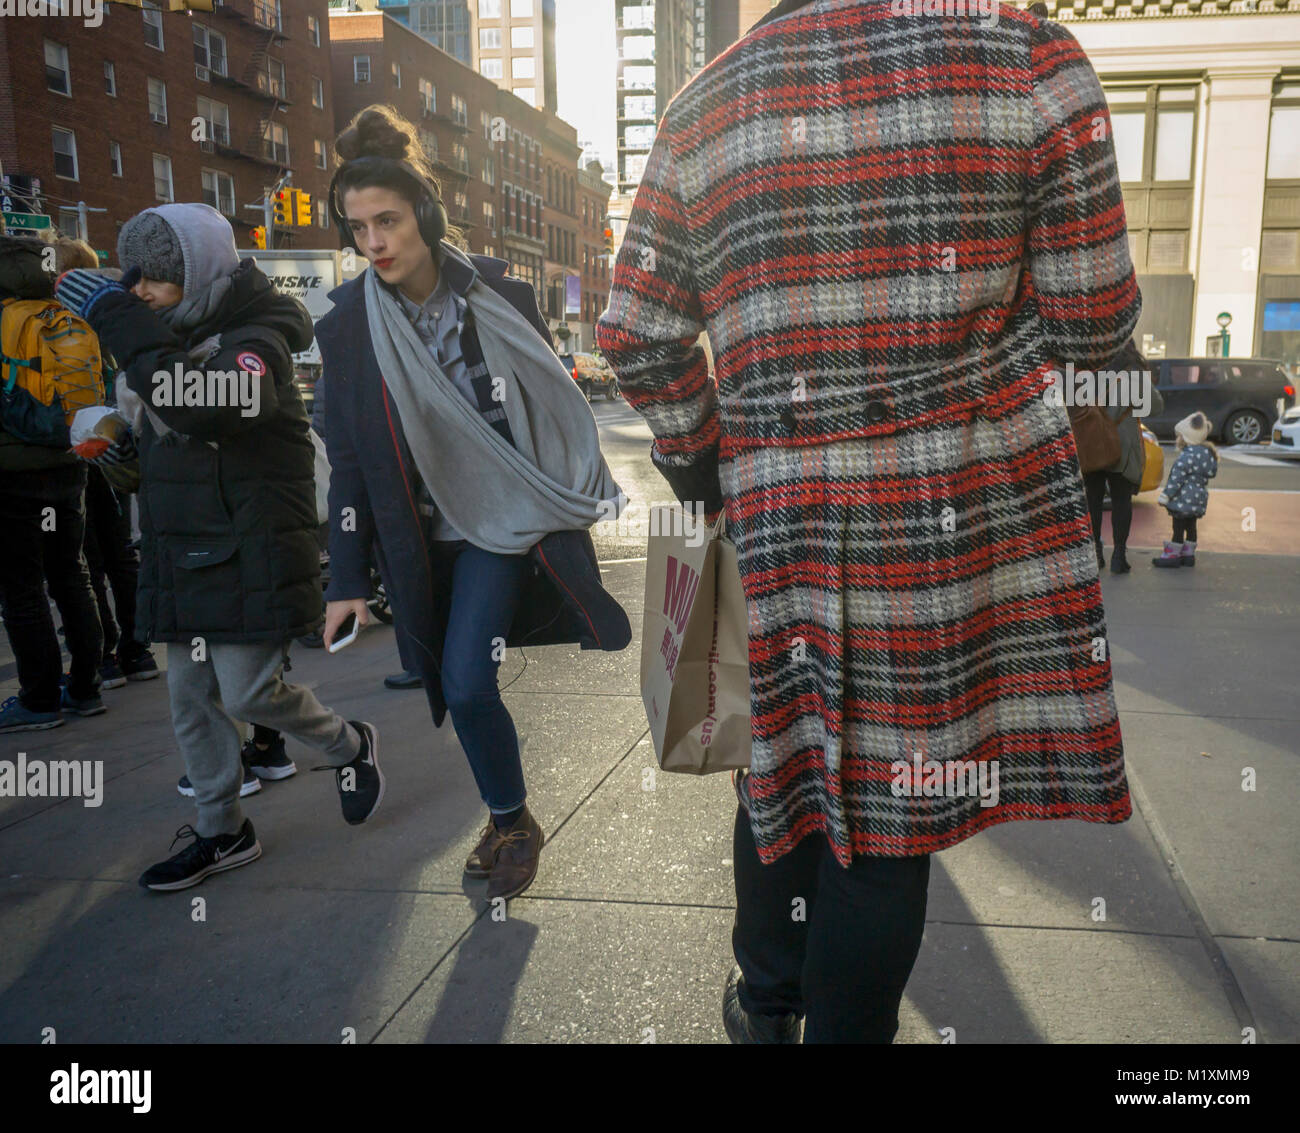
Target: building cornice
{"x":1077,"y":11}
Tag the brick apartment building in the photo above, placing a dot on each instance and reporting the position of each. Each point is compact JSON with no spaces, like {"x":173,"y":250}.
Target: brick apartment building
{"x":593,"y":193}
{"x":107,"y":114}
{"x":508,"y":171}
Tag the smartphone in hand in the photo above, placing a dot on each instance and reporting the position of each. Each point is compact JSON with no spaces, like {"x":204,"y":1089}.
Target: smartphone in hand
{"x":349,"y":629}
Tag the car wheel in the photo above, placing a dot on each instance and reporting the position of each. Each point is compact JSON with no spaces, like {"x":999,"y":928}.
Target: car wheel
{"x":586,"y":390}
{"x":611,"y":390}
{"x":1244,"y":428}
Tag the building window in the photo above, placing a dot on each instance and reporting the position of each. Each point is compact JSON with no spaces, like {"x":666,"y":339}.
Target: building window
{"x":158,"y":101}
{"x":521,"y":9}
{"x":489,"y":216}
{"x":361,"y":68}
{"x":317,"y":93}
{"x":639,"y":78}
{"x":267,"y":14}
{"x":459,"y":110}
{"x":313,"y":30}
{"x":153,"y":32}
{"x":65,"y":153}
{"x":429,"y":143}
{"x":219,"y":191}
{"x":460,"y":156}
{"x":491,"y":68}
{"x":110,"y":79}
{"x":57,"y":76}
{"x":489,"y":171}
{"x":319,"y":147}
{"x":428,"y":95}
{"x":275,"y":145}
{"x":523,"y":67}
{"x":272,"y":81}
{"x":485,"y":120}
{"x":115,"y":159}
{"x":209,"y":50}
{"x":1284,"y":136}
{"x":521,"y":37}
{"x":489,"y":39}
{"x":162,"y":178}
{"x":397,"y":75}
{"x":639,"y":106}
{"x":216,"y":120}
{"x":526,"y":94}
{"x":489,"y":9}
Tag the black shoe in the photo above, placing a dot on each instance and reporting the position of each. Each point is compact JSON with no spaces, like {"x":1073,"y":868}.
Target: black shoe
{"x":404,"y":680}
{"x":273,"y":763}
{"x":250,"y":786}
{"x":111,"y":675}
{"x":138,"y":666}
{"x":361,"y":792}
{"x":1101,"y":558}
{"x":1119,"y":562}
{"x":202,"y":857}
{"x":744,"y":1028}
{"x":82,"y":706}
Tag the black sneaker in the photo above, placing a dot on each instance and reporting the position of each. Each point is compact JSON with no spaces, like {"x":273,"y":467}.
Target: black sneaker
{"x":273,"y":763}
{"x":250,"y":786}
{"x":361,"y":791}
{"x":111,"y":675}
{"x":202,"y":857}
{"x":139,"y":666}
{"x":82,"y":706}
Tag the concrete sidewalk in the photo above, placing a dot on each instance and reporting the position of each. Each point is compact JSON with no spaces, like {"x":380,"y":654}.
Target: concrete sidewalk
{"x":625,"y":936}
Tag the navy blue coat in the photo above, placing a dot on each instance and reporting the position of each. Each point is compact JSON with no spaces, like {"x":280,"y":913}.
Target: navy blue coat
{"x":371,"y":471}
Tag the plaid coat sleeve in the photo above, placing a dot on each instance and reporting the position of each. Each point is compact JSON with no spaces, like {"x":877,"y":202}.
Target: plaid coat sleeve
{"x":1086,"y":289}
{"x":649,"y":334}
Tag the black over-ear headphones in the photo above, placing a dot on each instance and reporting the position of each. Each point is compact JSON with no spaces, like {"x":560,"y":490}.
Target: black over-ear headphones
{"x":430,"y":212}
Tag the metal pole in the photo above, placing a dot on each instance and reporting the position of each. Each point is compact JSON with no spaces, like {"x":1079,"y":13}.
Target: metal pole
{"x":83,"y":226}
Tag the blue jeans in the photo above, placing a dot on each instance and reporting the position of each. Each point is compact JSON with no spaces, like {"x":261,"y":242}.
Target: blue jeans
{"x":484,"y":595}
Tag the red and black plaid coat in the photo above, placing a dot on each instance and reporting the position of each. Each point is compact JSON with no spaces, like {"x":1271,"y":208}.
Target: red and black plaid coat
{"x":892,"y":227}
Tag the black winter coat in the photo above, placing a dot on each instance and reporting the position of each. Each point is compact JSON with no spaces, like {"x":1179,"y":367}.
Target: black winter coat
{"x":229,"y":549}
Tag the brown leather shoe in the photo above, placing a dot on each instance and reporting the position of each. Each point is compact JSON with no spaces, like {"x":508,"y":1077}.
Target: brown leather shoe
{"x":516,"y":864}
{"x":480,"y":862}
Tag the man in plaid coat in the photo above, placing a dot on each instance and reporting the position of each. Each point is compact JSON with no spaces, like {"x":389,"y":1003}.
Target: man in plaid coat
{"x":894,"y":227}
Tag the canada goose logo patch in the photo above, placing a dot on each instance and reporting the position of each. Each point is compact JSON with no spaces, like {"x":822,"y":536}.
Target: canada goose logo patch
{"x":251,"y":362}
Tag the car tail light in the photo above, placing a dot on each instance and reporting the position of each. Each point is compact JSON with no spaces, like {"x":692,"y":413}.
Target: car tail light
{"x":1289,"y":391}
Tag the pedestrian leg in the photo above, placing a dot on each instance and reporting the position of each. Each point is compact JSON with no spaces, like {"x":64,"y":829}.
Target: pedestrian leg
{"x":774,"y":904}
{"x":69,"y":579}
{"x":208,"y":739}
{"x":863,"y":940}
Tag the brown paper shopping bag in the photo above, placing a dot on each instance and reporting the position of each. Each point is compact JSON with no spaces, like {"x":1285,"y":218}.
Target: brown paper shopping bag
{"x":695,"y":647}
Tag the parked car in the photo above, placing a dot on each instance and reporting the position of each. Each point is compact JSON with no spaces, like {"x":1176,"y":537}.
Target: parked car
{"x":1286,"y":434}
{"x":1238,"y":395}
{"x":591,"y":374}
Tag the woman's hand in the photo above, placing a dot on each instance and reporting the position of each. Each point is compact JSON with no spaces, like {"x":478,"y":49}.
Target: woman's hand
{"x":336,"y":613}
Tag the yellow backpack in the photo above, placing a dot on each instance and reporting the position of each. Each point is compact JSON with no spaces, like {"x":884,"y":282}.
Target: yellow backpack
{"x":52,"y":367}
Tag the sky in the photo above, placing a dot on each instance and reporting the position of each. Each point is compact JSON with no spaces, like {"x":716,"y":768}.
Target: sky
{"x":585,"y":59}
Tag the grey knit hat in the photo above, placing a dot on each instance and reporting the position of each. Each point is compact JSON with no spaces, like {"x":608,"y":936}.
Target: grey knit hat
{"x":148,"y":242}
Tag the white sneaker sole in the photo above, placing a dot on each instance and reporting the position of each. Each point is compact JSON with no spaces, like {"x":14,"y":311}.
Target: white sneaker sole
{"x":233,"y":862}
{"x":273,"y":774}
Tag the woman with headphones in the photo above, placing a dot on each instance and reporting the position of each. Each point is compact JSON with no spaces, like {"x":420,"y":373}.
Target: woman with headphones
{"x":463,"y":449}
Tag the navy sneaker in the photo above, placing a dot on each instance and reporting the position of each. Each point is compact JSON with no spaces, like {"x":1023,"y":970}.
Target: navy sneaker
{"x":86,"y":706}
{"x":16,"y":718}
{"x":273,"y":763}
{"x":138,"y":666}
{"x":250,"y":786}
{"x":202,"y":857}
{"x":111,"y":675}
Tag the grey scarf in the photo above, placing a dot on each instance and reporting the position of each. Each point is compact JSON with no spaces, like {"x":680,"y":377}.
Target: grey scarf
{"x":502,"y":498}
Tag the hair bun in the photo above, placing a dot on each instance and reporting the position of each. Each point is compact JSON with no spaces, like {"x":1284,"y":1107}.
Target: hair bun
{"x":374,"y":133}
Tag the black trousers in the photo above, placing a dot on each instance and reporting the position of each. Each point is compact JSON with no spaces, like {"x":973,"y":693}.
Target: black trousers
{"x":43,"y":518}
{"x":112,"y":562}
{"x":845,"y":964}
{"x":1184,"y":529}
{"x":1121,"y":504}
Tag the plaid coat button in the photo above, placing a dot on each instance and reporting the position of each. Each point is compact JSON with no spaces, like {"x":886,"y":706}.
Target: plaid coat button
{"x":788,"y":419}
{"x":877,"y":411}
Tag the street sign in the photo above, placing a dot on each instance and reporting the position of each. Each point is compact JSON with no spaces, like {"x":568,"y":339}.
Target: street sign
{"x":30,"y":221}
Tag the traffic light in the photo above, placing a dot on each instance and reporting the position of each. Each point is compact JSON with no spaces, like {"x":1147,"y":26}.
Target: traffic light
{"x":301,"y":208}
{"x":259,"y":237}
{"x":283,"y":203}
{"x":609,"y":240}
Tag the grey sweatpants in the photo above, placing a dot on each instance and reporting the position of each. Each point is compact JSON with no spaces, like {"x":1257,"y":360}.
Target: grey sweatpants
{"x":247,"y":682}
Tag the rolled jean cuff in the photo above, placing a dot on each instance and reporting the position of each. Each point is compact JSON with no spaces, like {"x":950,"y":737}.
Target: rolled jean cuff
{"x":506,"y":809}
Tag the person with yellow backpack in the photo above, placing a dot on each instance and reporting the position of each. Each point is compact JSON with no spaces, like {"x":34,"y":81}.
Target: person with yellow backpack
{"x":51,"y":368}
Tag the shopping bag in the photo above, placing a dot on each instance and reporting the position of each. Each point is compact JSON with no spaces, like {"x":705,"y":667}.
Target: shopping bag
{"x":695,"y":647}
